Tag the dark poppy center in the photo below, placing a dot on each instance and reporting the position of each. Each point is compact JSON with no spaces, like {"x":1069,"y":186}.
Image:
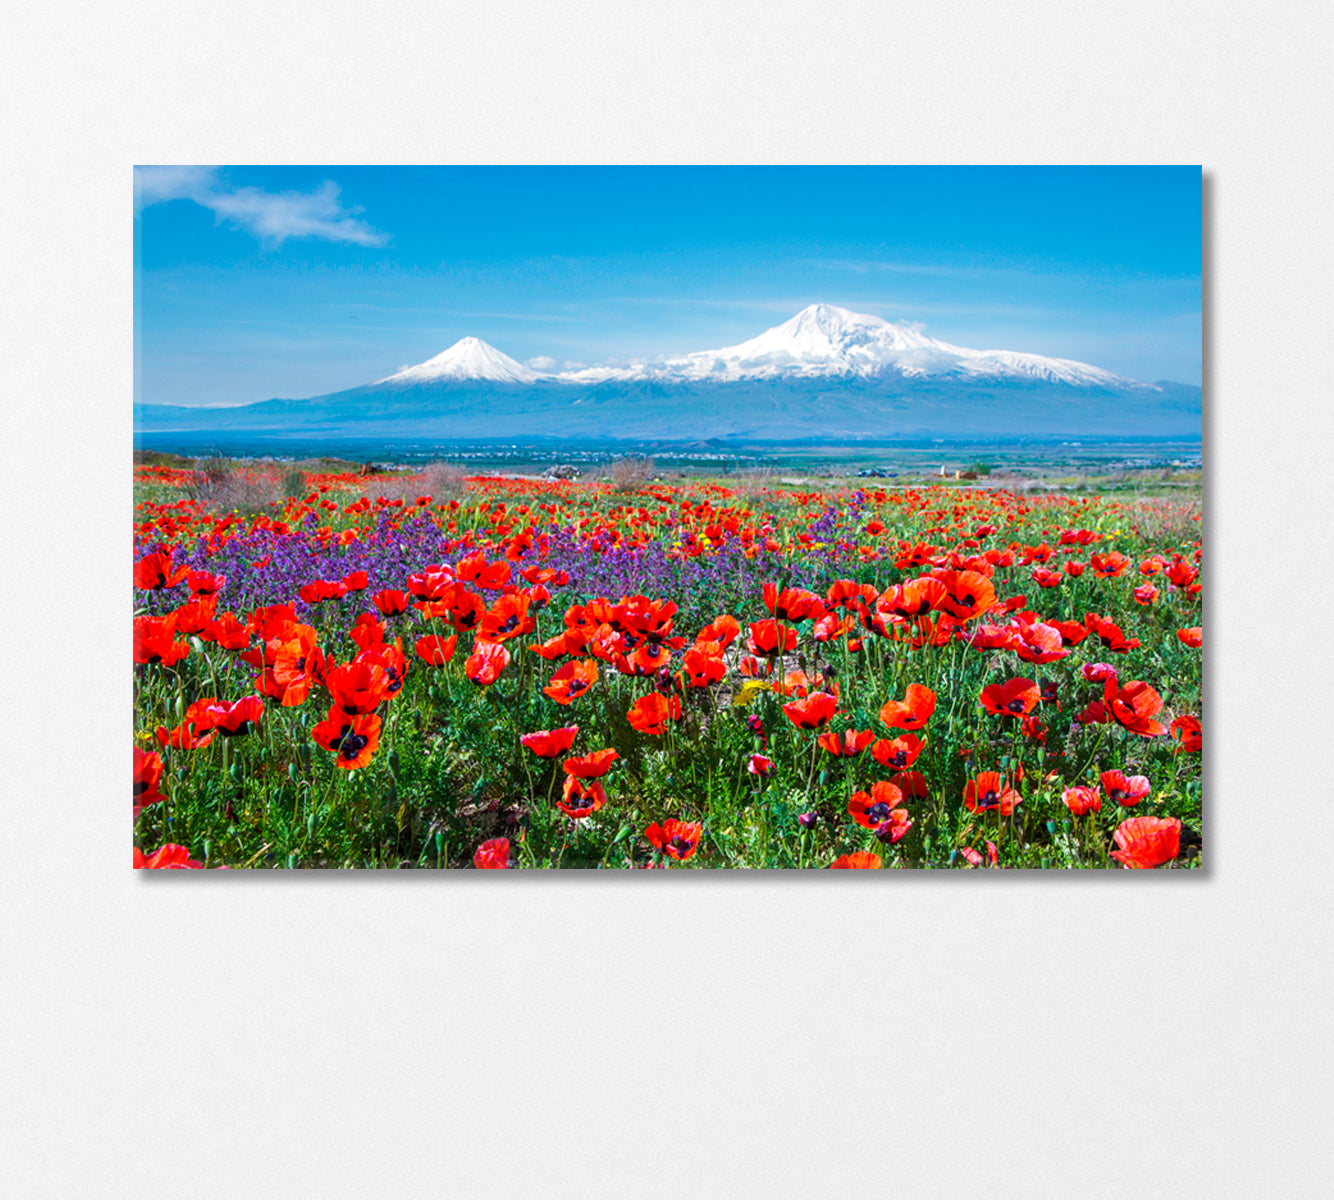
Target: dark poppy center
{"x":353,"y":744}
{"x":1015,"y":706}
{"x":510,"y":625}
{"x":899,"y":759}
{"x":990,"y":799}
{"x":577,"y":686}
{"x":878,"y":813}
{"x":681,"y":845}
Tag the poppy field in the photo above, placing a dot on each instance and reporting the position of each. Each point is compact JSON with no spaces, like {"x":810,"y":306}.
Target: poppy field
{"x":533,"y":674}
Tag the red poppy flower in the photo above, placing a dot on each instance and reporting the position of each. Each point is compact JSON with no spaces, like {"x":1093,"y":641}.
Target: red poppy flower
{"x":464,"y":609}
{"x":873,"y":810}
{"x":988,"y":793}
{"x":154,"y":571}
{"x":1040,"y":643}
{"x":1147,"y":842}
{"x":493,"y":855}
{"x":845,"y":593}
{"x":590,"y":766}
{"x":757,"y":764}
{"x":913,"y":711}
{"x":391,"y":602}
{"x":1074,"y":568}
{"x":1047,"y":579}
{"x":358,"y":687}
{"x":168,"y":857}
{"x":899,"y":754}
{"x":1072,"y":632}
{"x":204,"y":583}
{"x":1125,"y":790}
{"x":367,"y":632}
{"x":183,"y":737}
{"x":1111,"y":565}
{"x":649,"y":658}
{"x":435,"y":651}
{"x":572,"y":680}
{"x":147,"y":776}
{"x":1080,"y":800}
{"x":429,"y":585}
{"x":1193,"y":637}
{"x":550,"y":743}
{"x":194,"y":616}
{"x":507,"y":618}
{"x":486,"y":662}
{"x":770,"y":638}
{"x":792,"y":604}
{"x":321,"y":590}
{"x":154,"y":641}
{"x":354,"y":738}
{"x":798,"y":683}
{"x":545,"y":575}
{"x":1110,"y":634}
{"x":228,"y":632}
{"x":967,"y":593}
{"x":862,"y":860}
{"x":297,"y":667}
{"x":911,"y":783}
{"x":676,"y":839}
{"x":1145,"y":594}
{"x":703,"y":669}
{"x":723,"y":630}
{"x":814,"y":712}
{"x":848,"y":744}
{"x":1182,"y":575}
{"x":651,"y":714}
{"x":491,"y":576}
{"x":236,"y":718}
{"x":913,"y":599}
{"x":831,"y":627}
{"x":356,"y":581}
{"x":579,"y":799}
{"x":1186,"y":730}
{"x":895,"y":827}
{"x":1134,"y":706}
{"x":1013,"y":698}
{"x":974,"y":859}
{"x":391,"y":659}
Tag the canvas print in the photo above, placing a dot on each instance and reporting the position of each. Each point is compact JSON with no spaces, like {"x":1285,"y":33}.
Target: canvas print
{"x":668,"y":518}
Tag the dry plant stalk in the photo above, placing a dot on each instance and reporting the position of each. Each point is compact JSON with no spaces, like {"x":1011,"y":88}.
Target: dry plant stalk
{"x":221,"y":487}
{"x":628,"y":474}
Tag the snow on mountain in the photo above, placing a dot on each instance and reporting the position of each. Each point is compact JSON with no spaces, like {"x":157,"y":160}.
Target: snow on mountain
{"x":825,"y":340}
{"x":468,"y":358}
{"x":821,"y":341}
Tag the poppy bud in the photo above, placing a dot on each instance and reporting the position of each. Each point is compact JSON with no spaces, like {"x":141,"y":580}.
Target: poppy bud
{"x":754,"y":724}
{"x":808,"y":820}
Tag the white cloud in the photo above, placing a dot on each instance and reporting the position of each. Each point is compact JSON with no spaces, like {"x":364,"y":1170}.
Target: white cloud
{"x":543,"y":362}
{"x":272,"y":216}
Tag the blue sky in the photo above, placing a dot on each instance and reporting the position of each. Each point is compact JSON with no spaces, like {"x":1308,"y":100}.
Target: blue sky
{"x":255,"y":282}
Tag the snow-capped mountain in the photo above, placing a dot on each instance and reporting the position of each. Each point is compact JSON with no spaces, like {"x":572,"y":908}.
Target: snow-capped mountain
{"x":824,"y":340}
{"x":468,"y":358}
{"x":827,"y":375}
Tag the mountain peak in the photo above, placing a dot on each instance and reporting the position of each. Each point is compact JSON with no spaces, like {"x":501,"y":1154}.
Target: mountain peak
{"x":468,"y":358}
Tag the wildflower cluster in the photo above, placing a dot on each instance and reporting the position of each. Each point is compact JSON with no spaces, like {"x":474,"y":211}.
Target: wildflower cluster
{"x":557,"y":675}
